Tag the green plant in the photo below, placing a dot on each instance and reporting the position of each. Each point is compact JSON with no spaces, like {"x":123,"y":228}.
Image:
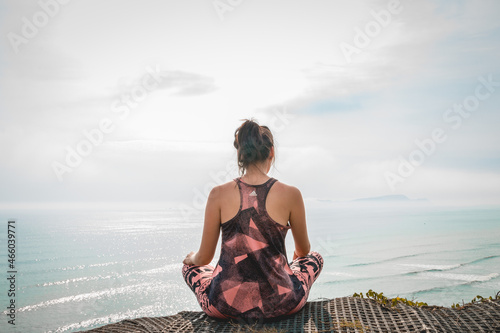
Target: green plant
{"x":392,"y":302}
{"x":477,"y":299}
{"x":356,"y":324}
{"x":388,"y":302}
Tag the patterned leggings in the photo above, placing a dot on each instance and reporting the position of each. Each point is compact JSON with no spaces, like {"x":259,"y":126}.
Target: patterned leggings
{"x":198,"y":278}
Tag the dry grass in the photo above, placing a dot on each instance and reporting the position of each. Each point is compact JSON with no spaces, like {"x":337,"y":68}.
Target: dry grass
{"x":255,"y":328}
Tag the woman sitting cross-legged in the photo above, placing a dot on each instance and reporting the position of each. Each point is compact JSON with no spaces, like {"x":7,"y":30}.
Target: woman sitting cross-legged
{"x":253,"y":279}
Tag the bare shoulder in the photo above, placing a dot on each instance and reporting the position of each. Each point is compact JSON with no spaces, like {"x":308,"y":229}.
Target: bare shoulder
{"x":229,"y":186}
{"x":225,"y":189}
{"x":287,"y":191}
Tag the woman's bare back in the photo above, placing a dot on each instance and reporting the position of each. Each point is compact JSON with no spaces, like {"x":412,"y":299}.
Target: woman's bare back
{"x":277,"y":202}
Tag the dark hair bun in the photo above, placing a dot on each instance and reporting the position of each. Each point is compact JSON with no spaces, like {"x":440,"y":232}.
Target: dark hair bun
{"x":253,"y":143}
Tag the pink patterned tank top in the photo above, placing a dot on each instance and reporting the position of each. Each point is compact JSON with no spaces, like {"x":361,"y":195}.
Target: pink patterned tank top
{"x":253,"y":279}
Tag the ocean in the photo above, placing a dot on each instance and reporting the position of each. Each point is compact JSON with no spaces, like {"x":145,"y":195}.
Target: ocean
{"x":77,"y":270}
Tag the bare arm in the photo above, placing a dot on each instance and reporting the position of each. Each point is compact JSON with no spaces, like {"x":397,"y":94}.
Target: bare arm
{"x":211,"y":230}
{"x":298,"y":222}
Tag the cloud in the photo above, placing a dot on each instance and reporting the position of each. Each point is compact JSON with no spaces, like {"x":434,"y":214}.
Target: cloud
{"x":186,"y":83}
{"x":351,"y":121}
{"x":163,"y":146}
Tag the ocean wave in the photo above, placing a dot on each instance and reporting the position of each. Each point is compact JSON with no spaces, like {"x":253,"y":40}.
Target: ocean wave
{"x":68,"y":281}
{"x":105,"y":264}
{"x":429,"y":290}
{"x":163,"y":269}
{"x":85,"y":297}
{"x":112,"y":318}
{"x":440,"y":268}
{"x":385,"y":260}
{"x":432,"y":267}
{"x":358,"y":279}
{"x":470,"y":280}
{"x":481,"y":260}
{"x":461,"y":277}
{"x":427,"y":270}
{"x":338,"y":274}
{"x":382,"y":261}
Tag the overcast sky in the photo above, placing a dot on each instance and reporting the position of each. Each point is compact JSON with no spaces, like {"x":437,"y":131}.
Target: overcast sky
{"x":348,"y":87}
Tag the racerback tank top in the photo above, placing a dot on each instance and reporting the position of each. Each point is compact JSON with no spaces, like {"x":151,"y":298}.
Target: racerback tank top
{"x":252,"y":279}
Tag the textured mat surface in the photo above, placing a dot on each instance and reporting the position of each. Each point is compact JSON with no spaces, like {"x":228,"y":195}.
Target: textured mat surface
{"x":346,"y":314}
